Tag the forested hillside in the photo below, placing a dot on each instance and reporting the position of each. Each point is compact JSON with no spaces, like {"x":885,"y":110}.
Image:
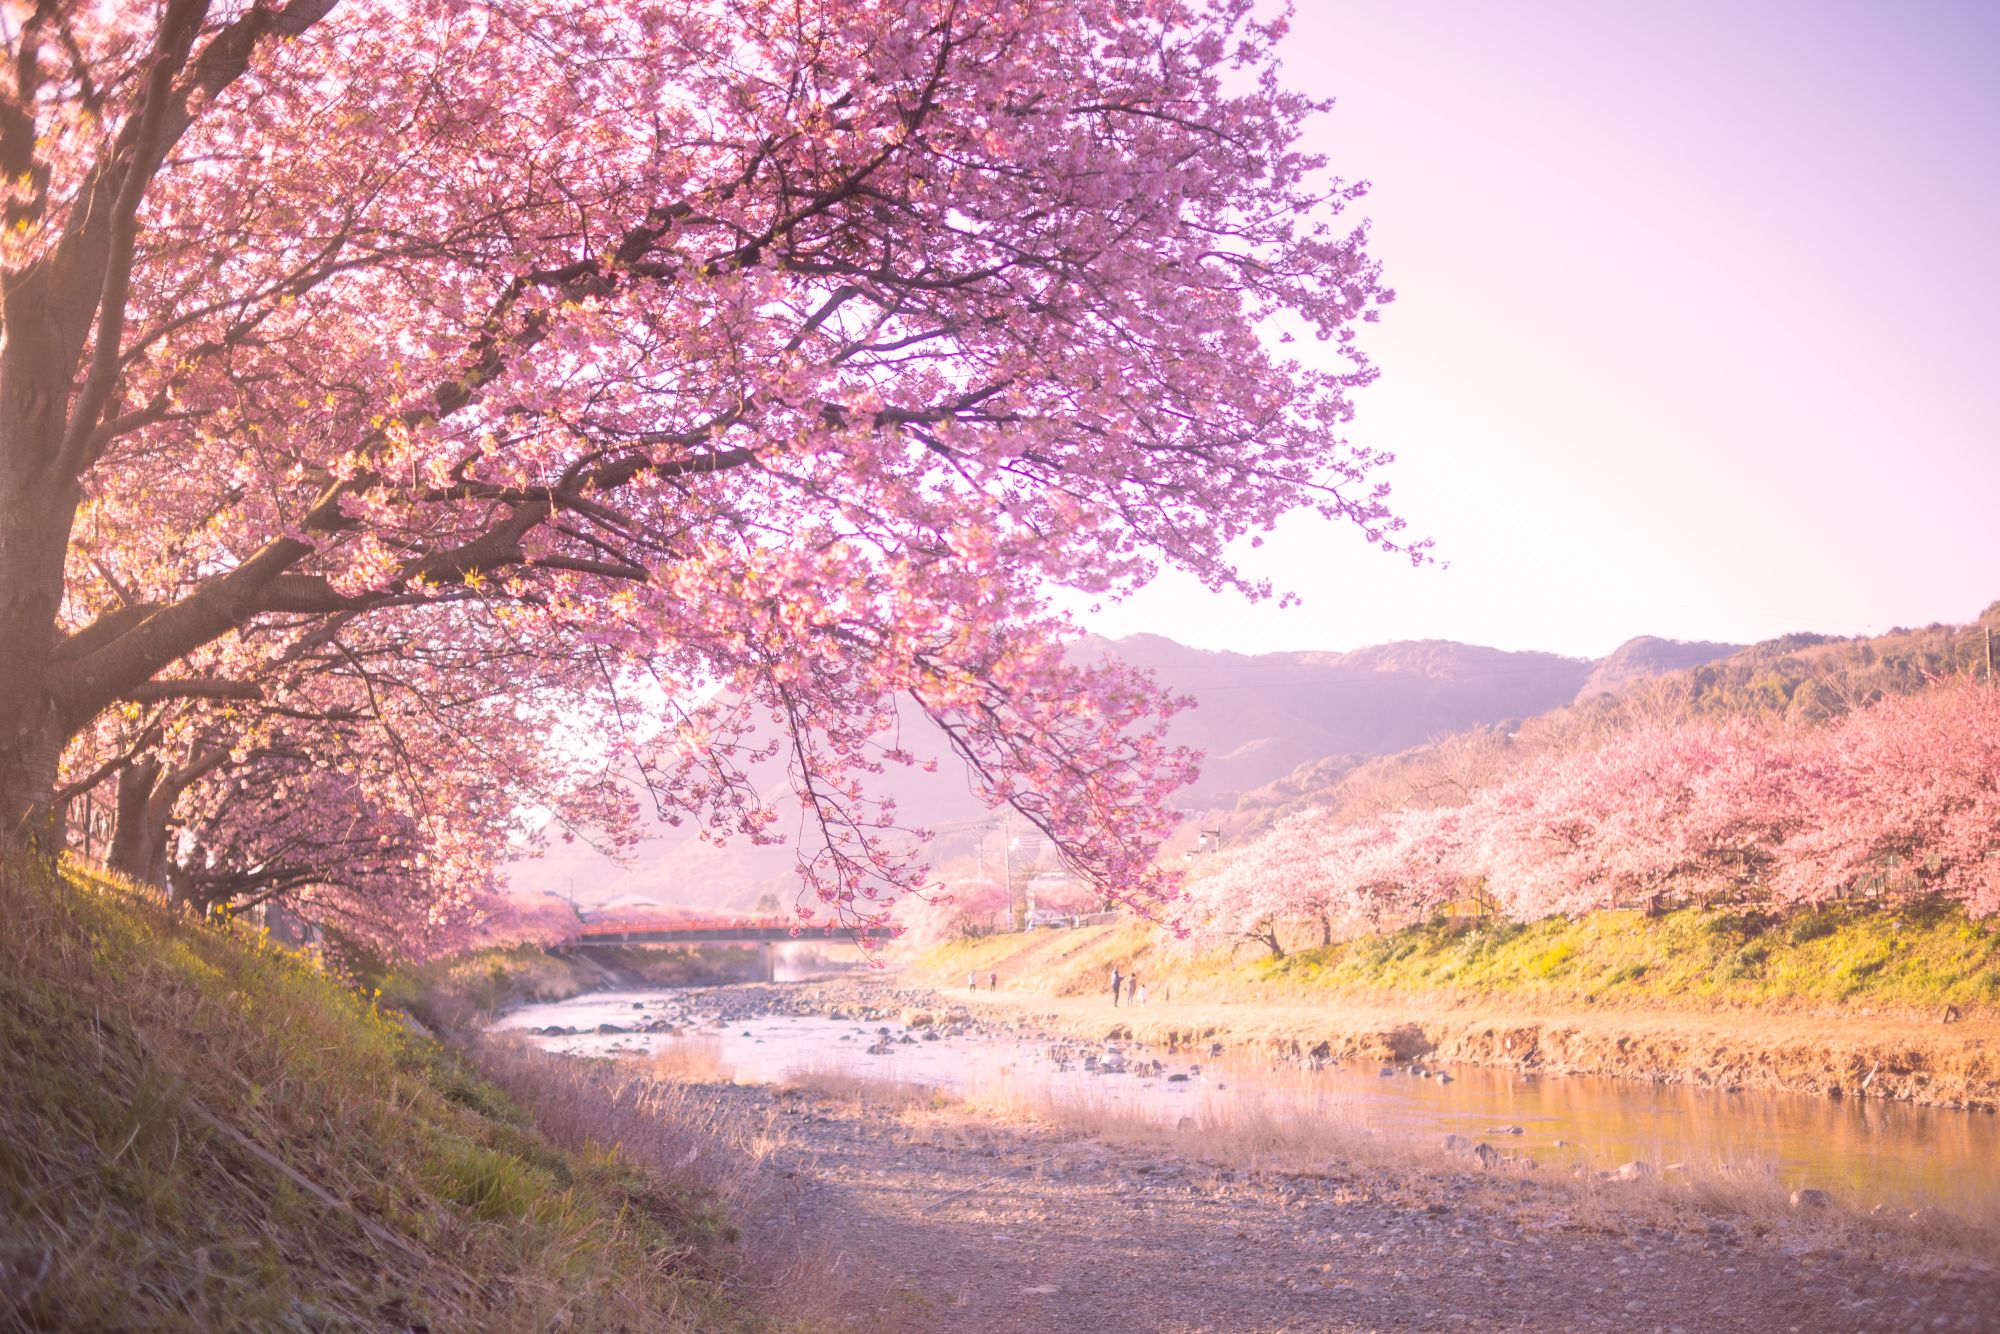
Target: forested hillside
{"x":1796,"y":679}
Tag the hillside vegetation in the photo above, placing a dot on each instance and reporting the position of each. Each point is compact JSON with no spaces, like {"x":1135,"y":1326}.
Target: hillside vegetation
{"x":201,"y":1131}
{"x":1797,"y":680}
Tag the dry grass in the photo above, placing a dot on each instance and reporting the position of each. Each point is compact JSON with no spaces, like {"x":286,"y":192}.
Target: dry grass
{"x":659,"y":1115}
{"x":200,"y":1131}
{"x":839,"y":1085}
{"x":691,"y":1059}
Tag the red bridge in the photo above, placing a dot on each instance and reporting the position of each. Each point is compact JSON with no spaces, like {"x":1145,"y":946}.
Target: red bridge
{"x":700,"y":930}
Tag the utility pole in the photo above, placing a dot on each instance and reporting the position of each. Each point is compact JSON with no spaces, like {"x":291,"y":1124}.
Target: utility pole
{"x":1007,"y":853}
{"x":1989,"y":655}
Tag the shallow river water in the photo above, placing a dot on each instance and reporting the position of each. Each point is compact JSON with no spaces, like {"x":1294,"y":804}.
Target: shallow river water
{"x":1868,"y":1150}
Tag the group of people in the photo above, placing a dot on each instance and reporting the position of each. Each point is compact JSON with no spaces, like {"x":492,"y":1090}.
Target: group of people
{"x":1135,"y":994}
{"x":992,"y":980}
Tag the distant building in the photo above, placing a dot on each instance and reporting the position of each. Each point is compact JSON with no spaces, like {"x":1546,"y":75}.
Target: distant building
{"x":627,"y":905}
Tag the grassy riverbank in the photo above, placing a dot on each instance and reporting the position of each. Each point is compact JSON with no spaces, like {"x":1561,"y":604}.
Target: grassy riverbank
{"x":201,"y":1131}
{"x":1919,"y":960}
{"x":1842,"y":1001}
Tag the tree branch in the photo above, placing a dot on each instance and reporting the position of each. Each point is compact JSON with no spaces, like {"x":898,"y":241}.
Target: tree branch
{"x":155,"y":692}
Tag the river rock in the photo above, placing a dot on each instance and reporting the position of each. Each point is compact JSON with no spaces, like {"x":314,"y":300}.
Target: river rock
{"x":1487,"y":1155}
{"x":612,"y":1028}
{"x":1634,"y":1171}
{"x":1809,"y":1198}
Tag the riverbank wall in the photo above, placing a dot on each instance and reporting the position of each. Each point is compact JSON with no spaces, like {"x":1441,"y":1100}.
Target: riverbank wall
{"x":458,"y":992}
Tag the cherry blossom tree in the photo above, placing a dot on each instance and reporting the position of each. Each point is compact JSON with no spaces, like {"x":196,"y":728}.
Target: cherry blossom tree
{"x":1699,"y":810}
{"x":773,"y":360}
{"x":1905,"y":795}
{"x":377,"y":790}
{"x":1260,"y":887}
{"x":959,"y":907}
{"x":515,"y":922}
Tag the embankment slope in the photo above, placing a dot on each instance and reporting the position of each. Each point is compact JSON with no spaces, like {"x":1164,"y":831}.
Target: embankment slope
{"x":201,"y":1131}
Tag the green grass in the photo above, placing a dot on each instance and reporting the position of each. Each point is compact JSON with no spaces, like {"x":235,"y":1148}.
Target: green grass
{"x":1920,"y":958}
{"x":1916,"y":958}
{"x":201,"y":1131}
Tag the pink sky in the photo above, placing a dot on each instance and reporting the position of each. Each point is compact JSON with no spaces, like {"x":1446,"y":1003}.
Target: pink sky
{"x":1698,"y":329}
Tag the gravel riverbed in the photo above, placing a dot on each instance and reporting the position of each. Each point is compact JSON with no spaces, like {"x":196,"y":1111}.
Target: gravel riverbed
{"x":931,"y":1216}
{"x":962,"y":1226}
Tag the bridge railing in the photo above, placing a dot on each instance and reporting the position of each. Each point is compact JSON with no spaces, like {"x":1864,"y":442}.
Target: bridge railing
{"x":696,"y":927}
{"x":619,"y":926}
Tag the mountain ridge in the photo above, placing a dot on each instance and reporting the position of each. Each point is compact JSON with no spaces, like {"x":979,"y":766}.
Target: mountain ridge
{"x":1298,"y":718}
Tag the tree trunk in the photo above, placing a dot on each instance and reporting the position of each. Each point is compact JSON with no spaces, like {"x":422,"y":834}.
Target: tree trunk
{"x":138,"y":837}
{"x":147,"y":794}
{"x":34,"y":537}
{"x":38,"y":501}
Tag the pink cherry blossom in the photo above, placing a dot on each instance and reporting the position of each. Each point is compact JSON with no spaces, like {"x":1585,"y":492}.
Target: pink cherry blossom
{"x":689,"y":381}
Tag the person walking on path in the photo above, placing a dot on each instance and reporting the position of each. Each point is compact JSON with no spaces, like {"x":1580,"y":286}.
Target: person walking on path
{"x":993,"y":981}
{"x":1142,"y":998}
{"x":972,"y":981}
{"x":1117,"y":980}
{"x":1132,"y":989}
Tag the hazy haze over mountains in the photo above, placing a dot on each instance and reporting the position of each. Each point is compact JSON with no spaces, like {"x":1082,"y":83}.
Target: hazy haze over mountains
{"x":1296,"y":720}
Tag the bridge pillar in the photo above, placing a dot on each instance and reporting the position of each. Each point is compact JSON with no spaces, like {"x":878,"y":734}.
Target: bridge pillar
{"x":767,"y":955}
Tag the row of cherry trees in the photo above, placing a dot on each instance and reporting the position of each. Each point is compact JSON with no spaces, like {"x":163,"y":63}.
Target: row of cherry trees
{"x":401,"y":398}
{"x":966,"y":905}
{"x":1900,"y":800}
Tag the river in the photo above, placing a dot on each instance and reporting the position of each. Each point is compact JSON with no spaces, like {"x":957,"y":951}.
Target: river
{"x":1869,"y":1151}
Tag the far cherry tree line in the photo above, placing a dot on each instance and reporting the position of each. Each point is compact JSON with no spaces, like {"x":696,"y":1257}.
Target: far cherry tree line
{"x":1898,"y":801}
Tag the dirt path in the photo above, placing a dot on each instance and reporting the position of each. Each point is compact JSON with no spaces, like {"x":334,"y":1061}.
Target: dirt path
{"x":957,"y":1225}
